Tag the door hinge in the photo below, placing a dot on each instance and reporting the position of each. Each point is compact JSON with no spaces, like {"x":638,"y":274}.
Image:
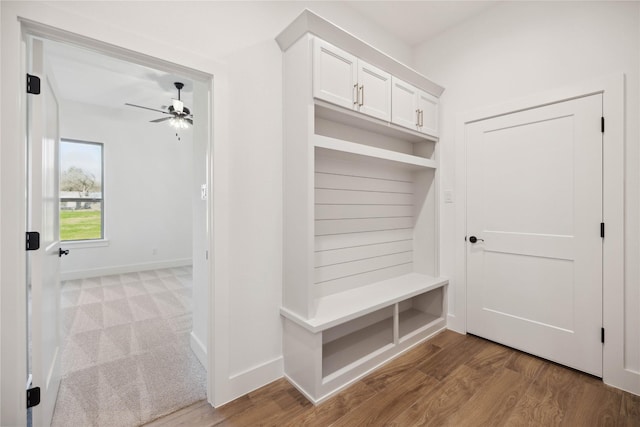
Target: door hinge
{"x":33,"y":84}
{"x":602,"y":335}
{"x":602,"y":230}
{"x":602,"y":124}
{"x":33,"y":397}
{"x":33,"y":241}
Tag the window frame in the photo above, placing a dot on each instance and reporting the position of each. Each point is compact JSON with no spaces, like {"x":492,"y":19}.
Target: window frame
{"x":100,"y":241}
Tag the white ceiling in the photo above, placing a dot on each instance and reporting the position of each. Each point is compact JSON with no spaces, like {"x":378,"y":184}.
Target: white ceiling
{"x":414,"y":22}
{"x":89,"y":77}
{"x":93,"y":78}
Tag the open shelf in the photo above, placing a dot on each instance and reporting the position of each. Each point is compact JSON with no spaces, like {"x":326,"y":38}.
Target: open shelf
{"x":342,"y":307}
{"x":419,"y":312}
{"x":342,"y":354}
{"x":355,"y":119}
{"x":329,"y":143}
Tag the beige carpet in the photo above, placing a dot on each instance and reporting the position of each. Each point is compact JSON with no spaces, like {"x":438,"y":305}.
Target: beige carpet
{"x":126,"y":358}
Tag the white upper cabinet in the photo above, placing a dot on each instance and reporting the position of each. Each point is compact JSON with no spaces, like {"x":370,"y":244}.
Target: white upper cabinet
{"x":405,"y":104}
{"x":344,"y":80}
{"x":413,"y":108}
{"x":335,"y":75}
{"x":374,"y":91}
{"x":428,"y":110}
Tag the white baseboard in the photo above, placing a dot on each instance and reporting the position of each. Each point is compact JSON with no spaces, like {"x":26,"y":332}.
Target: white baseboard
{"x":251,"y":379}
{"x":122,"y":269}
{"x":456,"y":324}
{"x":624,"y":379}
{"x":199,"y":349}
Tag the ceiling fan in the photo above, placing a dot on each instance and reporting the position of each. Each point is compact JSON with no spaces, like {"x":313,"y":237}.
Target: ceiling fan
{"x":180,"y":117}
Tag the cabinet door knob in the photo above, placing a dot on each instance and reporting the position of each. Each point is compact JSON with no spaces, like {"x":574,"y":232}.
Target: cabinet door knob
{"x":474,"y":239}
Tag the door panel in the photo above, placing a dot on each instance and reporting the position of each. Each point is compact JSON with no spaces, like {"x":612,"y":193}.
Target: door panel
{"x":44,"y":265}
{"x":334,"y":74}
{"x":375,"y":96}
{"x":535,"y":202}
{"x":404,"y":104}
{"x":428,"y":105}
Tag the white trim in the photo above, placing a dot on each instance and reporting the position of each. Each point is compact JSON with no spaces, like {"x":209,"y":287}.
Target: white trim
{"x":612,"y":88}
{"x":123,"y":269}
{"x":198,"y":348}
{"x":84,"y":244}
{"x":252,"y":379}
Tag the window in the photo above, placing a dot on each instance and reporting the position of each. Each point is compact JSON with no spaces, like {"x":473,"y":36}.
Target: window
{"x":81,"y":195}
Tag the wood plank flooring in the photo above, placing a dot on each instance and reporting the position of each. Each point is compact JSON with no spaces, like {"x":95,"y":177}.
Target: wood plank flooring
{"x":450,"y":380}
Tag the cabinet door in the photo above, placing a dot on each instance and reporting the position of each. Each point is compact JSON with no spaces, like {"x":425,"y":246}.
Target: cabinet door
{"x":334,"y":75}
{"x":428,"y":106}
{"x":374,"y":97}
{"x":404,"y":104}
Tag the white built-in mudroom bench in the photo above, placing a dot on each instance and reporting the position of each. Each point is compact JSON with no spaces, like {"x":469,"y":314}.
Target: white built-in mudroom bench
{"x":361,"y":280}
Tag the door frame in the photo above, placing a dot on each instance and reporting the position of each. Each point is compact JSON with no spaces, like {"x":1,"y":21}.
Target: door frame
{"x":13,"y":181}
{"x":612,"y":89}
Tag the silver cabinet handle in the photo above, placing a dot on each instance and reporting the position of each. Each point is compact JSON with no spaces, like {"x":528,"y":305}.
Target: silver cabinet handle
{"x":355,"y":94}
{"x":361,"y":95}
{"x":421,"y":118}
{"x":417,"y":118}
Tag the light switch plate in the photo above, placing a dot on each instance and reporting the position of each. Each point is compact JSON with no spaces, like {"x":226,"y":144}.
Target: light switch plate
{"x":448,"y":196}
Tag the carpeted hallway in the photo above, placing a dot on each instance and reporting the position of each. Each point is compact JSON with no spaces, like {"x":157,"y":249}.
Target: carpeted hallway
{"x":126,"y":357}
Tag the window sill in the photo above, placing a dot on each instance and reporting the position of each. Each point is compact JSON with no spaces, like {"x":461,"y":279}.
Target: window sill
{"x":82,"y":244}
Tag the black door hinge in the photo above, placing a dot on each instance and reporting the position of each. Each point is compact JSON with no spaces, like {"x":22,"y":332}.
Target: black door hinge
{"x":33,"y":397}
{"x":602,"y":124}
{"x":33,"y":84}
{"x":602,"y":230}
{"x":33,"y":240}
{"x":602,"y":335}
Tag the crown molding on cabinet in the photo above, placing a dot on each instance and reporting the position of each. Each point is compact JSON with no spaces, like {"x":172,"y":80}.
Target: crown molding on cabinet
{"x":309,"y":22}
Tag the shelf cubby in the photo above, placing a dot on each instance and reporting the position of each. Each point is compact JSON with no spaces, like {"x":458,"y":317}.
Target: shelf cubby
{"x":419,"y":312}
{"x":355,"y":342}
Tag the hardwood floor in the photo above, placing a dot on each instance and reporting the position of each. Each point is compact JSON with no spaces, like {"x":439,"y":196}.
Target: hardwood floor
{"x":451,"y":380}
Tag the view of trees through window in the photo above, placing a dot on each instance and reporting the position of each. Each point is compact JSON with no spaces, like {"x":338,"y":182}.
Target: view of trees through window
{"x":81,"y":198}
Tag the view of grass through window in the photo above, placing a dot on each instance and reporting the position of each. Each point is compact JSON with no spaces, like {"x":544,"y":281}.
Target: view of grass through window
{"x":81,"y":202}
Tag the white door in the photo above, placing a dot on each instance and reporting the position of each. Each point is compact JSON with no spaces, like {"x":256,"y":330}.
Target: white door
{"x":428,"y":110}
{"x":374,"y":97}
{"x":44,"y":263}
{"x":404,"y":104}
{"x":534,"y":204}
{"x":335,"y":75}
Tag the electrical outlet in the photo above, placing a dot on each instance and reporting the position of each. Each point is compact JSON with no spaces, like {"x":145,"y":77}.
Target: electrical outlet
{"x":203,"y":192}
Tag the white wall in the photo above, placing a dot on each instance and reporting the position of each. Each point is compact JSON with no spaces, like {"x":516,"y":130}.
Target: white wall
{"x":246,"y":172}
{"x":147,"y":202}
{"x":517,"y":49}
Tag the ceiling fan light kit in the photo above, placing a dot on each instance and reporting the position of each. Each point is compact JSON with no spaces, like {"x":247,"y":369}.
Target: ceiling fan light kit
{"x":180,"y":116}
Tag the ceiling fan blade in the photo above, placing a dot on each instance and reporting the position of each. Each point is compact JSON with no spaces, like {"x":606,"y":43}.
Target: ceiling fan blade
{"x":160,"y":120}
{"x":146,"y":108}
{"x":190,"y":121}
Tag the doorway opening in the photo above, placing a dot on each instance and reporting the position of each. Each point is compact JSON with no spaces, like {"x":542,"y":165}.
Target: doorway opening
{"x":130,"y":305}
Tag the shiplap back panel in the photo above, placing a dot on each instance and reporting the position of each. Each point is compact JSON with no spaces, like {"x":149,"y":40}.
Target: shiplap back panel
{"x":364,"y":222}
